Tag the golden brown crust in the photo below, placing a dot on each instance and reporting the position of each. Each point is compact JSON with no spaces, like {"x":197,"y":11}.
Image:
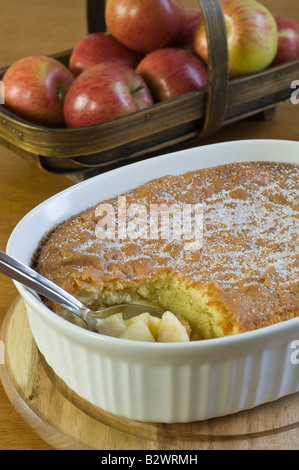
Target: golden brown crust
{"x":249,"y":262}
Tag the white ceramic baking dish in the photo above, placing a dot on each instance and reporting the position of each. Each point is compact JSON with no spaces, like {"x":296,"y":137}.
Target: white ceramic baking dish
{"x":177,"y":382}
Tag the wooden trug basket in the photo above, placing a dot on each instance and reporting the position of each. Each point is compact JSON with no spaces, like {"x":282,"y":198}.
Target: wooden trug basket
{"x":84,"y":152}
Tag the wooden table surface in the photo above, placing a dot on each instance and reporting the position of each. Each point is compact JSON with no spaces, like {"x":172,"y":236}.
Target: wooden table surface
{"x":45,"y":28}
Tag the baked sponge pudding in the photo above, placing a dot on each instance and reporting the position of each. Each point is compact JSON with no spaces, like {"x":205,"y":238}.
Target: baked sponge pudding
{"x":245,"y":275}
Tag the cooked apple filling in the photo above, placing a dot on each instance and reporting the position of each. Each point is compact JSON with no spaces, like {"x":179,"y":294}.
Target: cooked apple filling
{"x":146,"y":327}
{"x":187,"y":308}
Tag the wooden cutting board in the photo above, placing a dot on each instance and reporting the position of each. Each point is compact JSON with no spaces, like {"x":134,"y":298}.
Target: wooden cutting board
{"x":66,"y":421}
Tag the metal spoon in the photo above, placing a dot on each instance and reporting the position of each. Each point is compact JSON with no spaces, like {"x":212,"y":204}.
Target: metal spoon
{"x":33,"y":280}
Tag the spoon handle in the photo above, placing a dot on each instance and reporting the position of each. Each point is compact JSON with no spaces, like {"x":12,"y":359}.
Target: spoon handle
{"x":33,"y":280}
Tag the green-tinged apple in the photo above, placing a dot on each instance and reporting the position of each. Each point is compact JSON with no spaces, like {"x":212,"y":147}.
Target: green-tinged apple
{"x":145,"y":25}
{"x":288,"y":40}
{"x":185,"y":39}
{"x":35,"y":88}
{"x":171,"y":72}
{"x":103,"y":92}
{"x":251,"y":34}
{"x":100,"y":47}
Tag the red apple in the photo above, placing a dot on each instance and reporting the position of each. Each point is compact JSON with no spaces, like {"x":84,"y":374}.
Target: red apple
{"x":251,"y":33}
{"x":100,"y":47}
{"x":103,"y":92}
{"x":145,"y":25}
{"x":288,"y":40}
{"x":171,"y":72}
{"x":35,"y":88}
{"x":185,"y":39}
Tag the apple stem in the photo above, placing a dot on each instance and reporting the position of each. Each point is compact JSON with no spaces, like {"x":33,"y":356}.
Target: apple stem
{"x":140,"y":87}
{"x":60,"y":95}
{"x":61,"y":92}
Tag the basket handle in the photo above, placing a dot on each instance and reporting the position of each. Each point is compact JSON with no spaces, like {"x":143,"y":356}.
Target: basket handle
{"x":217,"y":93}
{"x":95,"y":16}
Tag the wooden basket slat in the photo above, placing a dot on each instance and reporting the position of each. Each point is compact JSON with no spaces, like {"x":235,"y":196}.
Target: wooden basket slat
{"x":246,"y":94}
{"x":66,"y":143}
{"x":255,"y":92}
